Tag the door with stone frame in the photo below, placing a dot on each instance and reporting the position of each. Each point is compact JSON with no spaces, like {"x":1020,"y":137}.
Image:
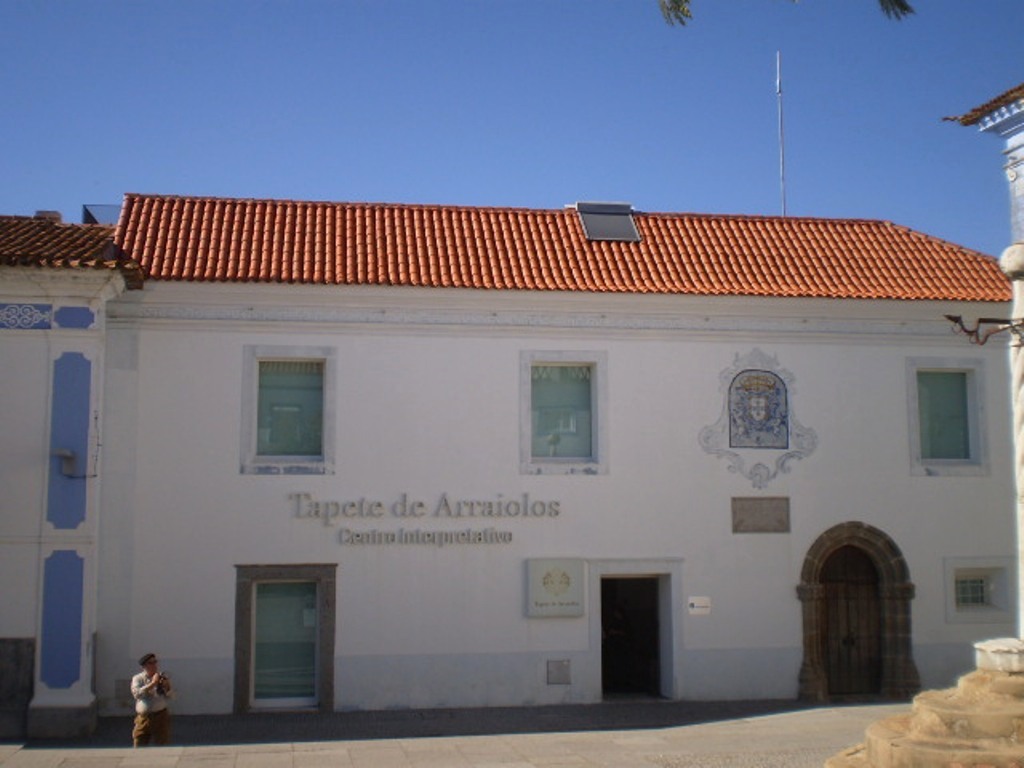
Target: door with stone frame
{"x":855,"y":593}
{"x":284,"y":623}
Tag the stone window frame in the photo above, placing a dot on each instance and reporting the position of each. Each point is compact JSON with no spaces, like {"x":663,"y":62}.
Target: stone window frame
{"x":978,"y":463}
{"x":254,"y":464}
{"x":324,"y":575}
{"x":596,"y":464}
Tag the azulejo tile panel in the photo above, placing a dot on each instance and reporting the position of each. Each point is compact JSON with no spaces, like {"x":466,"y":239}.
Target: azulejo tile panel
{"x":26,"y":317}
{"x":757,"y":432}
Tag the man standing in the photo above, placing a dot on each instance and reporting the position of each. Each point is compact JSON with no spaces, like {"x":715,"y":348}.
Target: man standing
{"x":151,"y":689}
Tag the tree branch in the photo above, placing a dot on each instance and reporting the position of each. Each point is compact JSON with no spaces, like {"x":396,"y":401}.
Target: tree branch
{"x":678,"y":11}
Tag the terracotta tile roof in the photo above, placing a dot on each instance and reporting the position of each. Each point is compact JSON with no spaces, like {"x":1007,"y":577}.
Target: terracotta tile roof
{"x":1004,"y":99}
{"x":279,"y":241}
{"x":27,"y":241}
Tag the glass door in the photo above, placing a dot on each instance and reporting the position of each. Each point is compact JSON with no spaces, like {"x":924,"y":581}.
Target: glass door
{"x":285,"y":644}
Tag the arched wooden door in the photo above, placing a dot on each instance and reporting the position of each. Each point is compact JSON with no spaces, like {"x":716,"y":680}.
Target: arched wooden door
{"x":855,"y":592}
{"x":853,"y":623}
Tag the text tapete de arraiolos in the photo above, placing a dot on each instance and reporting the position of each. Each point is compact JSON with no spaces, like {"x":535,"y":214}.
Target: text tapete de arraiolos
{"x":404,"y":508}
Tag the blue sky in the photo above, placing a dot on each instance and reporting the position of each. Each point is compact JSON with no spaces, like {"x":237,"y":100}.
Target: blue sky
{"x":532,"y":103}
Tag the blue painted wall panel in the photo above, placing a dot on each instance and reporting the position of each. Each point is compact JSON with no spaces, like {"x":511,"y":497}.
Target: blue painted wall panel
{"x":69,"y":430}
{"x":74,"y":317}
{"x":61,"y":644}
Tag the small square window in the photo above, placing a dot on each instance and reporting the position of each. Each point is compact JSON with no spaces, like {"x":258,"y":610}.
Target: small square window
{"x":562,"y":430}
{"x":979,"y":590}
{"x":287,"y":411}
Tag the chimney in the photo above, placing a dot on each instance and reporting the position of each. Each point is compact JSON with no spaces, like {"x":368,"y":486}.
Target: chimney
{"x":53,"y":216}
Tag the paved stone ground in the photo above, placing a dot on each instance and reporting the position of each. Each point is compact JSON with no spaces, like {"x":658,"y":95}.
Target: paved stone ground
{"x":610,"y":735}
{"x":640,"y":714}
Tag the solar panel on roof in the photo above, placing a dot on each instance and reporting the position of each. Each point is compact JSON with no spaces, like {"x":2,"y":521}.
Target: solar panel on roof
{"x":100,"y":213}
{"x":608,"y":221}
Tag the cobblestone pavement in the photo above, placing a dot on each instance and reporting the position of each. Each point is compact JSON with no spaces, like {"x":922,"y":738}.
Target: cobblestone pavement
{"x":612,"y":735}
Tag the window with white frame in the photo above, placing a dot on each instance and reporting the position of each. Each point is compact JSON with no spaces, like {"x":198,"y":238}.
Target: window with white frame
{"x":287,"y":410}
{"x":947,"y":435}
{"x":562,"y":404}
{"x":979,"y":590}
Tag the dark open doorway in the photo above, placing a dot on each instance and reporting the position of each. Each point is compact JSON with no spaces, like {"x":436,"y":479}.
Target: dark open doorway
{"x":630,"y":658}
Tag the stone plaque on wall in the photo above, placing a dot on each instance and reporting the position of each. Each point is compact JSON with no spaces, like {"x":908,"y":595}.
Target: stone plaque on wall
{"x":760,"y":514}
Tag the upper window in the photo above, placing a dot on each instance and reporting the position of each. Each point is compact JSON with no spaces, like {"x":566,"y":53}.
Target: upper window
{"x":562,"y":431}
{"x":290,"y":405}
{"x":946,"y":430}
{"x":943,"y":415}
{"x":286,"y":420}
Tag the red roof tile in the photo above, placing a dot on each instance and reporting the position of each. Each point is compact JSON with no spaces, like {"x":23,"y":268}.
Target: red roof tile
{"x":42,"y":242}
{"x":1004,"y":99}
{"x":281,"y":241}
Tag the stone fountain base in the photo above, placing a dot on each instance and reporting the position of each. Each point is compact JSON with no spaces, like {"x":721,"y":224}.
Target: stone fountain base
{"x":978,"y":724}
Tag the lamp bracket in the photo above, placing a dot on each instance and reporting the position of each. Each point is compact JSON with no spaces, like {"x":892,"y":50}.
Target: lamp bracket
{"x":987,"y":327}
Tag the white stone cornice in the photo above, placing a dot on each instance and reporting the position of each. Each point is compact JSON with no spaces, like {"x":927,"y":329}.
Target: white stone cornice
{"x":44,"y":283}
{"x":314,"y":318}
{"x":1004,"y":121}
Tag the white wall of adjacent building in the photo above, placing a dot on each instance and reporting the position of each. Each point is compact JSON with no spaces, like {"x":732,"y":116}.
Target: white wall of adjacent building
{"x":51,"y":344}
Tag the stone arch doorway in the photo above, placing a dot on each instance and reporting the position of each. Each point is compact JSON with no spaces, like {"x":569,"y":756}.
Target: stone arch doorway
{"x":855,"y":591}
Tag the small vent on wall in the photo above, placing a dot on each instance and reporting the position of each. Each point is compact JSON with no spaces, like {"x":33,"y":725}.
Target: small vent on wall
{"x":559,"y":672}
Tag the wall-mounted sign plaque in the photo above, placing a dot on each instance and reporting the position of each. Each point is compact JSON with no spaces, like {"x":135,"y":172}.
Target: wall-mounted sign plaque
{"x":554,"y":587}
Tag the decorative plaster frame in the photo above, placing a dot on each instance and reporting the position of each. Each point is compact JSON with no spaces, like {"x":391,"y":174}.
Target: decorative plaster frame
{"x":714,"y":439}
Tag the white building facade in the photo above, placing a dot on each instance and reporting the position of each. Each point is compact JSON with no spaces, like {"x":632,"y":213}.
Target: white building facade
{"x":374,"y":466}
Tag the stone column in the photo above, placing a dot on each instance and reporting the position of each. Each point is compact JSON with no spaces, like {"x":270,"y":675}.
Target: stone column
{"x":1007,"y":122}
{"x":1004,"y":118}
{"x":1015,"y":176}
{"x":1012,"y":263}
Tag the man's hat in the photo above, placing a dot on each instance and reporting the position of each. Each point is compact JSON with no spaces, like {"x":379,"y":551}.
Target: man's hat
{"x":146,"y":659}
